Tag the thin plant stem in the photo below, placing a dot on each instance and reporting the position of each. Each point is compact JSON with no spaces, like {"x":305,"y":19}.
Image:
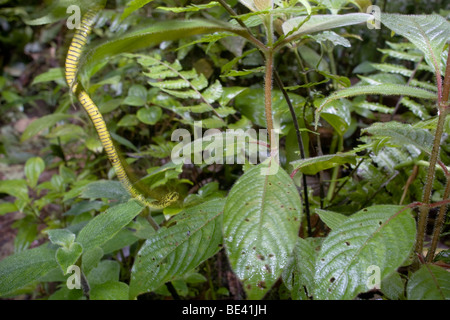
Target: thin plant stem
{"x":271,"y":74}
{"x":446,"y":90}
{"x":438,"y":225}
{"x":443,"y":92}
{"x":155,"y":226}
{"x":424,"y":209}
{"x":442,"y":211}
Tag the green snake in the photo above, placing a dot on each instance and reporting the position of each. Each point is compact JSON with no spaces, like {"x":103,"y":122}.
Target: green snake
{"x":71,"y":68}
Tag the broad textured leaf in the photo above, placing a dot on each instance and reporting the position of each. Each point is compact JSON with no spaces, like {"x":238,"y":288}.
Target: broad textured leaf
{"x":190,"y":8}
{"x":410,"y":56}
{"x":134,"y":5}
{"x":380,"y":236}
{"x":122,"y":239}
{"x":311,"y":166}
{"x":152,"y":34}
{"x":84,"y":206}
{"x":403,"y":134}
{"x":251,"y":104}
{"x":333,"y":5}
{"x":261,"y":222}
{"x":137,"y":96}
{"x":176,"y":250}
{"x":149,"y":115}
{"x":17,"y":188}
{"x":61,"y":237}
{"x":338,"y":115}
{"x":53,"y":74}
{"x":381,"y":89}
{"x":106,"y":270}
{"x":416,"y":108}
{"x":107,"y":224}
{"x":105,"y":189}
{"x":111,"y":290}
{"x":430,"y":282}
{"x":332,"y":219}
{"x":91,"y":258}
{"x":428,"y":32}
{"x":57,"y":10}
{"x":332,"y":37}
{"x":299,"y":273}
{"x":323,"y":22}
{"x":392,"y":68}
{"x":393,"y":286}
{"x":67,"y":257}
{"x":18,"y":270}
{"x":7,"y":207}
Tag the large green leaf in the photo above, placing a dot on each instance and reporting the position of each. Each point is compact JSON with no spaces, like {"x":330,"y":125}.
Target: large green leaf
{"x":430,"y":282}
{"x":107,"y":224}
{"x":403,"y":134}
{"x":428,"y":32}
{"x":59,"y":9}
{"x":311,"y":166}
{"x":152,"y":34}
{"x":261,"y":222}
{"x":176,"y":250}
{"x":67,"y":257}
{"x":33,"y":169}
{"x":381,"y":89}
{"x":18,"y":270}
{"x":111,"y":290}
{"x":380,"y":236}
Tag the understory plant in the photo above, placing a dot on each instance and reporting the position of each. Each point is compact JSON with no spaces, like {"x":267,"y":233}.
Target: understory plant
{"x":331,"y":201}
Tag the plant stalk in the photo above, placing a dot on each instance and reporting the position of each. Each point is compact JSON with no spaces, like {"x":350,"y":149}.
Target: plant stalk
{"x":424,"y":210}
{"x":438,"y":225}
{"x":268,"y":84}
{"x":443,"y":95}
{"x":443,"y":106}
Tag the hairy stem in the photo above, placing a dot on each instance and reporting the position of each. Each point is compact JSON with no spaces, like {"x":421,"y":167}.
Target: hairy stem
{"x":424,"y":210}
{"x":268,"y":93}
{"x":438,"y":225}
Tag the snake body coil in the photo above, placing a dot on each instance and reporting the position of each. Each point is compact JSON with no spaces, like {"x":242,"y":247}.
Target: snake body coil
{"x":71,"y":68}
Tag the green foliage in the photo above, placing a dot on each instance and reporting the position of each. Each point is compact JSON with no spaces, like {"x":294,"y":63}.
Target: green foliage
{"x":429,"y":283}
{"x":327,"y":213}
{"x":195,"y":237}
{"x":380,"y":236}
{"x":260,"y":227}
